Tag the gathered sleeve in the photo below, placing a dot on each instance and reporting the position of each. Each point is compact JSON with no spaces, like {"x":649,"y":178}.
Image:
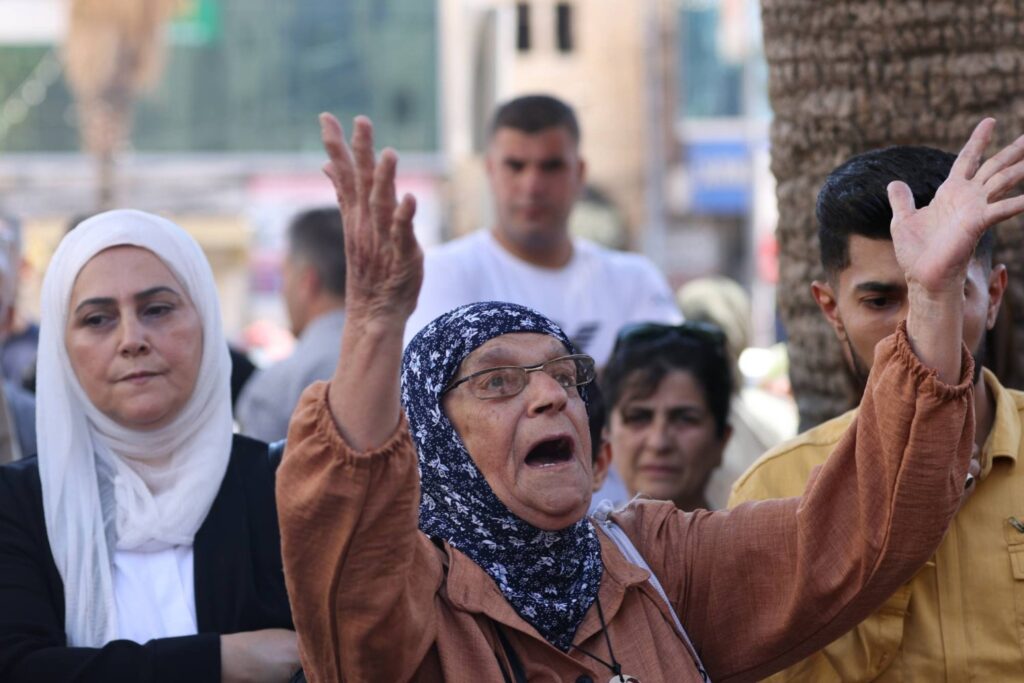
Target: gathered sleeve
{"x":361,"y":577}
{"x":766,"y":584}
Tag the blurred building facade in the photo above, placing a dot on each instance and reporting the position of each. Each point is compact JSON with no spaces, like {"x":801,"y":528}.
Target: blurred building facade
{"x":670,"y":94}
{"x":672,"y":102}
{"x":612,"y":61}
{"x":227,"y":143}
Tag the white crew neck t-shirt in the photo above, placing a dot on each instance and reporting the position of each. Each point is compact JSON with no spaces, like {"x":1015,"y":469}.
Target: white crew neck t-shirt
{"x":591,"y":297}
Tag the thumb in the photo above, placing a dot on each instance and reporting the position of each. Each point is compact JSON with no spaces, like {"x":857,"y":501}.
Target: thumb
{"x":901,"y":199}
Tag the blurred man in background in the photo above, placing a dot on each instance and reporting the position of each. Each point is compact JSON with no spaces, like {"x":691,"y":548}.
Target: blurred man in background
{"x":758,"y":420}
{"x":314,"y":294}
{"x":17,"y":406}
{"x":536,"y":174}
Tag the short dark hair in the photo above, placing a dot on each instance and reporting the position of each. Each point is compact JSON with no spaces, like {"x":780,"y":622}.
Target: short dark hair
{"x":316,"y":237}
{"x":854,"y":199}
{"x":534,"y":113}
{"x":637,"y":368}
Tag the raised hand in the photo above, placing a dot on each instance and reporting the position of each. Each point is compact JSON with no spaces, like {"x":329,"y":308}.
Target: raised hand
{"x":384,"y":260}
{"x":935,"y":243}
{"x":384,"y":271}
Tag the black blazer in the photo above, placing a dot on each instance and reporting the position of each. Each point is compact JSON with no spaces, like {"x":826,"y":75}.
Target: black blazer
{"x":239,"y":584}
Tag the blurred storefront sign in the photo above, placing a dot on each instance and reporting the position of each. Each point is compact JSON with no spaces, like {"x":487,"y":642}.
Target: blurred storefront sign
{"x":721,"y":176}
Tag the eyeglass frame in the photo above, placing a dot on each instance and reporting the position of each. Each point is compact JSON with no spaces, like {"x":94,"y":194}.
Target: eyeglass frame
{"x":577,"y":357}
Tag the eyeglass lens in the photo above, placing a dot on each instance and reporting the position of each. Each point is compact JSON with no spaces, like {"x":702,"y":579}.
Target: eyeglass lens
{"x":503,"y":382}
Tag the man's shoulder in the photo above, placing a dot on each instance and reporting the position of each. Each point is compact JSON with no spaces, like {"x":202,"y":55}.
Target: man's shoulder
{"x":462,"y":247}
{"x":1018,"y":398}
{"x":783,"y":470}
{"x":626,"y":261}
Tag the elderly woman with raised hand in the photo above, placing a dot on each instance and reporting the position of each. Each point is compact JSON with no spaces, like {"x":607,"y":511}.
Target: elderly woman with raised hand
{"x":475,"y":560}
{"x":145,"y":532}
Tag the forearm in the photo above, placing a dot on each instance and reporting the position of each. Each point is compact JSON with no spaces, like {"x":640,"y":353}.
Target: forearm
{"x":814,"y":567}
{"x":364,"y":391}
{"x":935,"y":328}
{"x":164,"y":660}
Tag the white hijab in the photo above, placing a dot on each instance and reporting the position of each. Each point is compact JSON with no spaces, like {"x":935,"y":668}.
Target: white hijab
{"x":107,"y":487}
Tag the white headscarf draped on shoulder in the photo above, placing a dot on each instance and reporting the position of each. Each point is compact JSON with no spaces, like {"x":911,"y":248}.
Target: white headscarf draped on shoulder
{"x":107,"y":487}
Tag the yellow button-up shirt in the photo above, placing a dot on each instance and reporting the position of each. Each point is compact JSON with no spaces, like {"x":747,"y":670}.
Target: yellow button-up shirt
{"x":962,"y":616}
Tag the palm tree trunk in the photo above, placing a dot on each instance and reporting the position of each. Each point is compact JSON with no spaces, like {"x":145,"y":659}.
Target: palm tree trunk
{"x":114,"y":49}
{"x":847,"y":76}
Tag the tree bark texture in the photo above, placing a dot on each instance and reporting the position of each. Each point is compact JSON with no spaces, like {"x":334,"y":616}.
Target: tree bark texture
{"x":847,"y":76}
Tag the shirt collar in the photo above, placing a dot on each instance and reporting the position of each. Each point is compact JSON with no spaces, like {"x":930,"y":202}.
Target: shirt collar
{"x":1004,"y":441}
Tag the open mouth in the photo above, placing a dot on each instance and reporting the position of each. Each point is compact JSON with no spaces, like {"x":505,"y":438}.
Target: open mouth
{"x":550,"y":452}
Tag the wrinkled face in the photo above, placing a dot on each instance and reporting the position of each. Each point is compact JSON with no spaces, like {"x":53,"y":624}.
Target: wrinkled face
{"x":533,"y":448}
{"x":870,"y":299}
{"x":664,"y":445}
{"x":535,"y":180}
{"x":134,"y":338}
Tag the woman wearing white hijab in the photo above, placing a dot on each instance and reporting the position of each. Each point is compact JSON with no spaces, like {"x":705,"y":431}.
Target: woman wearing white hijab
{"x":145,"y":530}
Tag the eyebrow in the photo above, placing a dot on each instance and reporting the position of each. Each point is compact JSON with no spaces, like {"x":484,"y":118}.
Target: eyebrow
{"x":502,"y":355}
{"x":878,"y":287}
{"x":141,"y":296}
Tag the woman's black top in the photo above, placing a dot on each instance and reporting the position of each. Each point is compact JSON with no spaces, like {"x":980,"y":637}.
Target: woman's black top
{"x":239,"y":584}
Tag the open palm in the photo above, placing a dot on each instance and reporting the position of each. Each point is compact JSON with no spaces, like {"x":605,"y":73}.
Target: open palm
{"x":935,"y":243}
{"x":384,"y":261}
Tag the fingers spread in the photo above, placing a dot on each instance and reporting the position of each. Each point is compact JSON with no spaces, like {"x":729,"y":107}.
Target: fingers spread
{"x":402,"y":226}
{"x":901,"y":199}
{"x":969,"y":159}
{"x":362,"y":150}
{"x":340,"y":168}
{"x":1007,"y":156}
{"x":1004,"y":209}
{"x":382,"y":198}
{"x":1004,"y":181}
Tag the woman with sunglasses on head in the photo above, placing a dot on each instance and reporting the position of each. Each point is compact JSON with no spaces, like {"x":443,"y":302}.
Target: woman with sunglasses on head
{"x":433,"y":506}
{"x":142,"y":544}
{"x":668,"y":390}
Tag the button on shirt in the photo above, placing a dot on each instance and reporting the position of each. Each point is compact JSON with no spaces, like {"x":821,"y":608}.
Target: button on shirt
{"x":962,"y":617}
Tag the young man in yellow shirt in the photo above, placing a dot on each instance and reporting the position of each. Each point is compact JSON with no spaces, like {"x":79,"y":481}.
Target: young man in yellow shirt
{"x":962,"y":616}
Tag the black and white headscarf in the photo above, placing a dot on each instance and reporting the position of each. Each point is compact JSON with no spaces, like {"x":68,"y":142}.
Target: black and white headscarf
{"x":550,"y":577}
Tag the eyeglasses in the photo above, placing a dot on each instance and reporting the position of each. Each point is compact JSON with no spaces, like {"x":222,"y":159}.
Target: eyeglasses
{"x":508,"y":380}
{"x":648,"y":332}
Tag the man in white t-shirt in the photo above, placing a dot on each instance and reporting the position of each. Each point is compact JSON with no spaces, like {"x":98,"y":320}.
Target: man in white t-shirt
{"x":528,"y":257}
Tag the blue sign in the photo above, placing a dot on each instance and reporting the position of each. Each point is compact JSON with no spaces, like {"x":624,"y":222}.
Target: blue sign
{"x":721,"y":177}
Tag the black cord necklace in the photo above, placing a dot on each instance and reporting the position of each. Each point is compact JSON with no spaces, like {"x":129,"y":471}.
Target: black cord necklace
{"x":614,"y":666}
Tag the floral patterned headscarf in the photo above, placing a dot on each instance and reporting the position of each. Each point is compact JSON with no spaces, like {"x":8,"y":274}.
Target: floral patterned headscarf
{"x":550,"y":577}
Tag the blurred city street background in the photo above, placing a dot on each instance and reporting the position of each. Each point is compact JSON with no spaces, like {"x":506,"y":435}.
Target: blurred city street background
{"x":205,"y":111}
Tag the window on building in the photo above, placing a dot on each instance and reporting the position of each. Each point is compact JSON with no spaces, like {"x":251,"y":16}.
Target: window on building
{"x":563,"y":27}
{"x":522,"y":26}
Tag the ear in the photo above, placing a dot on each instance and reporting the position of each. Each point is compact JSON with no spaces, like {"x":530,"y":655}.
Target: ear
{"x":825,"y":297}
{"x":489,"y":163}
{"x":309,"y":281}
{"x":997,"y":281}
{"x":725,"y":441}
{"x":601,"y":464}
{"x":581,"y":172}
